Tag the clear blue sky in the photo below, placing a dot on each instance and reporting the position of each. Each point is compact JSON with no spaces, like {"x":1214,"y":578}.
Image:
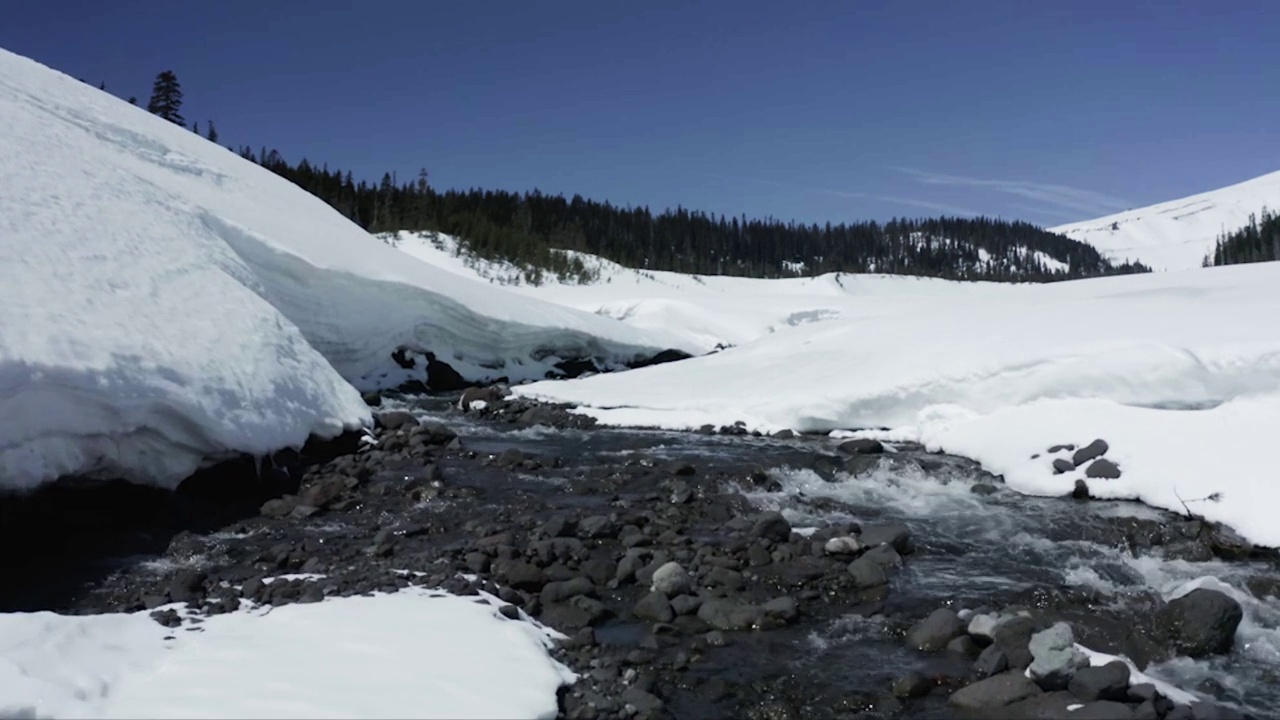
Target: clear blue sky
{"x":1046,"y":111}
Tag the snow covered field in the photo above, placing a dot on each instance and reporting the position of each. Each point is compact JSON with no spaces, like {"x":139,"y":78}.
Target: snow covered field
{"x":163,"y":300}
{"x":1176,"y":235}
{"x":1179,"y":372}
{"x":411,"y":654}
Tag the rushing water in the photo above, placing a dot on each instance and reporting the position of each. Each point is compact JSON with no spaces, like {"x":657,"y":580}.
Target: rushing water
{"x":980,"y":552}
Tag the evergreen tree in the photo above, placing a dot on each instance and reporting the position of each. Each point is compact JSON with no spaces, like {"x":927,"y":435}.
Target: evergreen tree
{"x":166,"y":98}
{"x":213,"y":133}
{"x":133,"y":100}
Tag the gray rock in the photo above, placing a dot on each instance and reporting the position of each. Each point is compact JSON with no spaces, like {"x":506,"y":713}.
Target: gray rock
{"x":278,"y":507}
{"x":671,"y":580}
{"x":963,"y":646}
{"x":520,"y":575}
{"x":1181,"y":712}
{"x":982,"y":627}
{"x":934,"y":632}
{"x":844,"y":545}
{"x":1081,"y":490}
{"x":729,"y":615}
{"x":1264,"y":586}
{"x":655,"y":607}
{"x":1054,"y":657}
{"x":1061,"y":448}
{"x":996,"y":691}
{"x":554,"y":592}
{"x":862,"y":446}
{"x":1062,"y":465}
{"x":1214,"y":711}
{"x":991,"y":661}
{"x":187,"y":586}
{"x":597,"y":527}
{"x":600,"y":569}
{"x":983,"y":489}
{"x":686,"y":604}
{"x":1146,"y":710}
{"x":896,"y":535}
{"x":771,"y":526}
{"x":1102,"y":468}
{"x":578,"y":612}
{"x":1013,"y":635}
{"x":867,"y":573}
{"x":1201,"y":623}
{"x":783,"y":608}
{"x":645,"y":704}
{"x":724,"y":578}
{"x":1095,"y":449}
{"x":1103,"y":682}
{"x":884,"y":556}
{"x":912,"y":685}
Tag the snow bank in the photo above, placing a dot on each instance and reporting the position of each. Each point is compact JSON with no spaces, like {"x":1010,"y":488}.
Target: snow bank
{"x":163,"y":301}
{"x":1176,"y":235}
{"x":1004,"y":374}
{"x":412,"y":654}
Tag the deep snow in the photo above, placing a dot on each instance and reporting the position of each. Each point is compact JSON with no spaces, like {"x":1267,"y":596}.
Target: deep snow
{"x":415,"y":654}
{"x":1179,"y":372}
{"x":1176,"y":235}
{"x":163,"y":301}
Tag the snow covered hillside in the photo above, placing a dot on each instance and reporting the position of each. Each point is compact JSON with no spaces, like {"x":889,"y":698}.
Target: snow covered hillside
{"x":163,"y":300}
{"x":1176,"y":235}
{"x":1178,"y":372}
{"x":705,"y":312}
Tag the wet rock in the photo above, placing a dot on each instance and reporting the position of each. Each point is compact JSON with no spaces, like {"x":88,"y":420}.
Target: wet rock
{"x":1104,"y":682}
{"x":686,"y":604}
{"x":1264,"y":586}
{"x":844,"y":545}
{"x":1059,"y":705}
{"x":867,"y":573}
{"x":885,"y":556}
{"x":643,"y":703}
{"x":681,"y":469}
{"x":323,"y":493}
{"x":1080,"y":491}
{"x":577,"y":612}
{"x":1102,"y":710}
{"x":862,"y":446}
{"x":554,"y":592}
{"x":1055,"y":658}
{"x":963,"y":646}
{"x":1214,"y":711}
{"x":1095,"y":449}
{"x":654,"y":607}
{"x":372,"y":399}
{"x":395,"y":419}
{"x":1102,"y":468}
{"x":1062,"y":465}
{"x":1013,"y":635}
{"x":896,"y":535}
{"x":520,"y":575}
{"x":996,"y":691}
{"x":783,"y":608}
{"x":983,"y":489}
{"x":991,"y":661}
{"x":783,"y":434}
{"x":597,"y":527}
{"x":168,"y":618}
{"x":729,"y":615}
{"x":1146,"y":711}
{"x":600,"y":569}
{"x":771,"y":526}
{"x":671,"y":579}
{"x":912,"y":685}
{"x":301,"y":512}
{"x":187,"y":586}
{"x":982,"y":628}
{"x":1226,"y":543}
{"x":278,"y":507}
{"x":1201,"y":623}
{"x":934,"y":632}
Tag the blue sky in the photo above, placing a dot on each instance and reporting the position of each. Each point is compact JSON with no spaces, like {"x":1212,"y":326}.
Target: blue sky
{"x":830,"y":111}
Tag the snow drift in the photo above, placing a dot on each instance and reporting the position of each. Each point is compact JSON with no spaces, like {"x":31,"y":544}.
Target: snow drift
{"x":1176,"y":235}
{"x":163,"y":301}
{"x":1180,"y":372}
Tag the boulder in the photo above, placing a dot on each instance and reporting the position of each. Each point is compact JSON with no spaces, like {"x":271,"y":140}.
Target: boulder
{"x":862,"y":446}
{"x":867,"y":573}
{"x":771,"y":526}
{"x":896,"y":535}
{"x":994,"y":692}
{"x":395,"y":419}
{"x":1062,"y":465}
{"x":1054,"y":657}
{"x":1201,"y":623}
{"x":934,"y":632}
{"x":655,"y":607}
{"x":671,"y":579}
{"x":1101,"y":682}
{"x":1102,"y":468}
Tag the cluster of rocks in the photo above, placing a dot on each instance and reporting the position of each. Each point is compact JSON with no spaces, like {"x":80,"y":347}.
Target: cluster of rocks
{"x":1068,"y":458}
{"x":1025,"y":665}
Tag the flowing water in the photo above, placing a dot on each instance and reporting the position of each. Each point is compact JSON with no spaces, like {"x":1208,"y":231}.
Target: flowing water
{"x":974,"y":551}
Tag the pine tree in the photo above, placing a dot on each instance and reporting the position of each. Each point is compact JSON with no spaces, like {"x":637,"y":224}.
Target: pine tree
{"x":195,"y":127}
{"x":213,"y":133}
{"x":133,"y":100}
{"x":166,"y":98}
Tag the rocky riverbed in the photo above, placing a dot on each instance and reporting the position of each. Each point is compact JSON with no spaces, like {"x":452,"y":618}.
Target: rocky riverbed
{"x":700,"y":575}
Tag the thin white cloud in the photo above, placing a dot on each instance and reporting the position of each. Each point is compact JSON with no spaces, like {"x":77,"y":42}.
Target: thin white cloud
{"x":913,"y":202}
{"x":1060,"y":196}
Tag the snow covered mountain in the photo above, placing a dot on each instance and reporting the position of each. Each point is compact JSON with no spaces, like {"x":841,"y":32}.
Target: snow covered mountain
{"x":1176,"y":235}
{"x":163,"y":301}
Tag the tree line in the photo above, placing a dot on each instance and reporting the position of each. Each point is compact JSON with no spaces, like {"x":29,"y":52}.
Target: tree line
{"x":1259,"y":241}
{"x":530,"y":229}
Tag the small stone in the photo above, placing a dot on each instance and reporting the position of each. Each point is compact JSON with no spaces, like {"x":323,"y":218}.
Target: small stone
{"x":867,"y":573}
{"x":301,"y":512}
{"x":845,"y":545}
{"x":1062,"y":465}
{"x":1061,"y":448}
{"x":963,"y":646}
{"x":654,"y":607}
{"x":520,"y":575}
{"x":1080,"y":491}
{"x":671,"y":579}
{"x":934,"y":632}
{"x":278,"y":507}
{"x":1095,"y":449}
{"x":1103,"y":682}
{"x":983,"y":489}
{"x":1102,"y":468}
{"x":395,"y":419}
{"x":783,"y":608}
{"x":982,"y":628}
{"x":991,"y":661}
{"x":686,"y":604}
{"x":771,"y":526}
{"x":729,"y":615}
{"x":645,"y":704}
{"x":597,"y":527}
{"x":554,"y":592}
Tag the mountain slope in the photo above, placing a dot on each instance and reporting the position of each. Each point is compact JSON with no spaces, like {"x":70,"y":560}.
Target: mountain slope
{"x":163,"y":301}
{"x":1176,"y":235}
